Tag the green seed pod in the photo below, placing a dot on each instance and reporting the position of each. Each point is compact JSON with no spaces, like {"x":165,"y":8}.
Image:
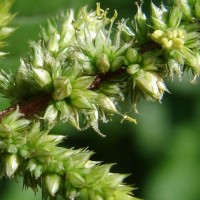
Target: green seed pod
{"x":103,"y":63}
{"x":132,"y":55}
{"x":63,"y":88}
{"x":52,"y":183}
{"x":11,"y":162}
{"x":132,"y":69}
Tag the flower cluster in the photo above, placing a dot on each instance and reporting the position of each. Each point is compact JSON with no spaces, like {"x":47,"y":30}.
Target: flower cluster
{"x":86,"y":68}
{"x":27,"y":149}
{"x":66,"y":62}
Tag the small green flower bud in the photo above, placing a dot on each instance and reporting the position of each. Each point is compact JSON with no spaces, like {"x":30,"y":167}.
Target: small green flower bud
{"x":42,"y":77}
{"x":148,"y":63}
{"x":156,"y":16}
{"x":83,"y":82}
{"x":68,"y":113}
{"x":115,"y":179}
{"x":97,"y":174}
{"x":197,"y":9}
{"x":83,"y":98}
{"x":35,"y":168}
{"x":112,"y":89}
{"x":132,"y":55}
{"x":19,"y":124}
{"x":106,"y":103}
{"x":53,"y":44}
{"x":166,"y":44}
{"x":38,"y":57}
{"x":141,"y":28}
{"x":76,"y":179}
{"x":178,"y":43}
{"x":32,"y":165}
{"x":117,"y":63}
{"x":82,"y":102}
{"x":53,"y":182}
{"x":25,"y":153}
{"x":11,"y":164}
{"x":151,"y":84}
{"x":51,"y":114}
{"x":62,"y":88}
{"x":38,"y":171}
{"x":157,"y":34}
{"x":103,"y":63}
{"x":80,"y":159}
{"x":73,"y":71}
{"x":132,"y":69}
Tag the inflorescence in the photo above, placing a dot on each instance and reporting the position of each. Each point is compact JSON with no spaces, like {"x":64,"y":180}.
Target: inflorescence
{"x":82,"y":66}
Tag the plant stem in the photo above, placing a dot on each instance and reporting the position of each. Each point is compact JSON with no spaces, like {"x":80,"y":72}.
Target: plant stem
{"x":29,"y":108}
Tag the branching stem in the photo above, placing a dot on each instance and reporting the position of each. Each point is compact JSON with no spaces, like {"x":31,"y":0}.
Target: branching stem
{"x":29,"y":108}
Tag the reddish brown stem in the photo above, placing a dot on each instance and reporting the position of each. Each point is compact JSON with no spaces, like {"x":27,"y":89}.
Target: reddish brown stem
{"x":29,"y":108}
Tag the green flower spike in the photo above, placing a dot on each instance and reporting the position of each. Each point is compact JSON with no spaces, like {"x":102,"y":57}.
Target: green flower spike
{"x":59,"y":171}
{"x":97,"y":46}
{"x":66,"y":70}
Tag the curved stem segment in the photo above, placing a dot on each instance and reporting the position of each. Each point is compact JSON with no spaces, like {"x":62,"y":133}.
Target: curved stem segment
{"x":29,"y":108}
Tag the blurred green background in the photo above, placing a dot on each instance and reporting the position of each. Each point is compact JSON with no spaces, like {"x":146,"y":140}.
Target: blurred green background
{"x":162,"y":152}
